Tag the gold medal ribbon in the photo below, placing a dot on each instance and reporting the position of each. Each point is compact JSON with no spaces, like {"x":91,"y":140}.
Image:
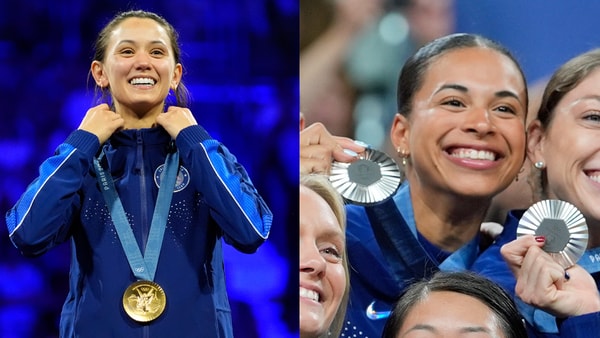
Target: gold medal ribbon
{"x":143,"y":300}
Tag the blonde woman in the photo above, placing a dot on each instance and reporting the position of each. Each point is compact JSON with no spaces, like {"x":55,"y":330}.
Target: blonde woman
{"x":324,"y":281}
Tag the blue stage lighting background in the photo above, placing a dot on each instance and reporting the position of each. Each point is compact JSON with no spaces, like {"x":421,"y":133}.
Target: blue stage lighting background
{"x":241,"y":66}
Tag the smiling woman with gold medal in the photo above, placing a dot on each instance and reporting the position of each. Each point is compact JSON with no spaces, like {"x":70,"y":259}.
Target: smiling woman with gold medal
{"x":145,"y":195}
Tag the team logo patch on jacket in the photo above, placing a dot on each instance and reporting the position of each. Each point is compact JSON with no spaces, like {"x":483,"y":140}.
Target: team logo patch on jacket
{"x":182,"y":181}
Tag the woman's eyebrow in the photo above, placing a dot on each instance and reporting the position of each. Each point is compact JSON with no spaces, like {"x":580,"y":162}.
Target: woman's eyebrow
{"x":429,"y":328}
{"x":469,"y":329}
{"x":423,"y":327}
{"x":453,"y":86}
{"x":133,"y":42}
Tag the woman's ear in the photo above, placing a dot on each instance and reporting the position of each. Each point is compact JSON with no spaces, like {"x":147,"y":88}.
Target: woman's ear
{"x":97,"y":70}
{"x":535,"y":142}
{"x":177,"y":74}
{"x":400,"y":133}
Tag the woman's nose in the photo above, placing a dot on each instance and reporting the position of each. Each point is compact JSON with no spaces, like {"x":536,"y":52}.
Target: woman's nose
{"x":142,"y":61}
{"x":479,"y":121}
{"x":311,"y":260}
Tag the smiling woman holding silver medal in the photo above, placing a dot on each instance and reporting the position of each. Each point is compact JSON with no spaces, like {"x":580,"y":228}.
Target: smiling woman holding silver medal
{"x":562,"y":229}
{"x":460,"y":136}
{"x":145,"y":195}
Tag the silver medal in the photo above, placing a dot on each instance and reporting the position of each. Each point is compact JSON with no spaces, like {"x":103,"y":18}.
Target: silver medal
{"x":371,"y":179}
{"x":563,"y":226}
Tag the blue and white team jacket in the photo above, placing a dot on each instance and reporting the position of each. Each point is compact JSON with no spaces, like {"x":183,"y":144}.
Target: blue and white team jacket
{"x":213,"y":198}
{"x":376,"y":282}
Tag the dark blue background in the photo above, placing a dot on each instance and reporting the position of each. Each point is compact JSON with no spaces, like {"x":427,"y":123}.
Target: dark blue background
{"x":241,"y":66}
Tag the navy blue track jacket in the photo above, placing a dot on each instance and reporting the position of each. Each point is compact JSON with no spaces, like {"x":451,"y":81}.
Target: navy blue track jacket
{"x":213,"y":199}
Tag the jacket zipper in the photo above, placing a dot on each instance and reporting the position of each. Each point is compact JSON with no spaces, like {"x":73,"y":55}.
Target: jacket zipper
{"x":143,"y":204}
{"x":143,"y":189}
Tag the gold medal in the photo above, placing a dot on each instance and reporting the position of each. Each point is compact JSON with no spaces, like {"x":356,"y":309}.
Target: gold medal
{"x":144,"y":301}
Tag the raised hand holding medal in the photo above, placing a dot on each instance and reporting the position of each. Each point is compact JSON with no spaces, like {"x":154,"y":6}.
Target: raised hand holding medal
{"x":563,"y":226}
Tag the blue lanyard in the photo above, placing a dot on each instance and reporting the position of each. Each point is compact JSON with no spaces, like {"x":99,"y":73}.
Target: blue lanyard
{"x":459,"y":260}
{"x":143,"y":267}
{"x":590,"y":260}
